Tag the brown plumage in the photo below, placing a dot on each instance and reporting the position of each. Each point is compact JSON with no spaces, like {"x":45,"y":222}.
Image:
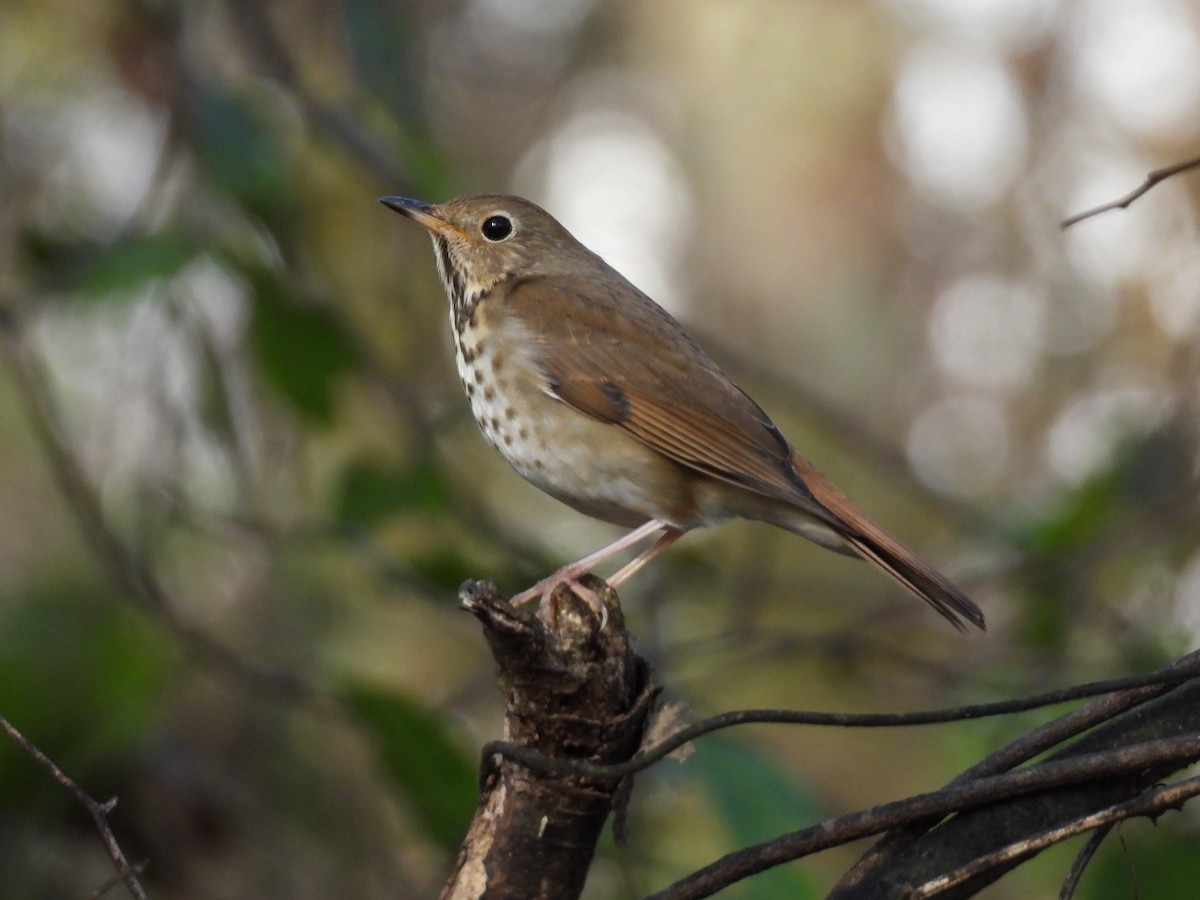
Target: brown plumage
{"x":598,"y":396}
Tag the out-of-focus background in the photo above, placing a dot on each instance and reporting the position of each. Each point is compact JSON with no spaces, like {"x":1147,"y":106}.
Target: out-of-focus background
{"x":239,"y":486}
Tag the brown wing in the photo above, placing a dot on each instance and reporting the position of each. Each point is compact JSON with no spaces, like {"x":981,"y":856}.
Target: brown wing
{"x":632,"y":365}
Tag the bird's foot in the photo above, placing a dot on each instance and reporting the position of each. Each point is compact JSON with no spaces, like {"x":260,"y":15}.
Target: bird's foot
{"x":546,"y":588}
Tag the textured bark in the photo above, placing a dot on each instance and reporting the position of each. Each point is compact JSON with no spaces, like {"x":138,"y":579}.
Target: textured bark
{"x":574,"y":690}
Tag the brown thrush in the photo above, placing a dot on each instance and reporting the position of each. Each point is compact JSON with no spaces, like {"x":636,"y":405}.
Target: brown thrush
{"x":595,"y":394}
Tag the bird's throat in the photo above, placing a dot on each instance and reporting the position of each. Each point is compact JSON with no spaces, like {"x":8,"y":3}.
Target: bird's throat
{"x":464,"y":292}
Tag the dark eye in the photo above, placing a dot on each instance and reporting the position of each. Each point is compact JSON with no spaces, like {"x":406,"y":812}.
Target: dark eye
{"x":496,"y":228}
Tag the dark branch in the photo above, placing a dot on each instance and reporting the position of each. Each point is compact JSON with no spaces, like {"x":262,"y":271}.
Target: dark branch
{"x":1024,"y":748}
{"x":99,"y":812}
{"x":1032,"y":782}
{"x":1164,"y":678}
{"x":1171,"y":719}
{"x":1081,"y":861}
{"x":1151,"y":803}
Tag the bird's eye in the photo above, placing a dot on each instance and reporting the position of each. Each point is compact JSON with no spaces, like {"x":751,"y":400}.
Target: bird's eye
{"x":496,"y":228}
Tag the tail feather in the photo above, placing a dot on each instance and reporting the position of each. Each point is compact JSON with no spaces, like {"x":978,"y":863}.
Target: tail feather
{"x":874,"y":544}
{"x":921,"y":579}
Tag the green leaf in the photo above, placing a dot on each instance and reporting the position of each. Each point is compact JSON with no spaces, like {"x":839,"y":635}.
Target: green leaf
{"x":303,"y":351}
{"x":1144,"y":471}
{"x":369,"y":492}
{"x":74,"y":640}
{"x":445,"y":569}
{"x":387,"y":62}
{"x":112,"y":271}
{"x":235,"y":148}
{"x":134,"y":261}
{"x":1077,"y":519}
{"x":435,"y":778}
{"x":758,"y":802}
{"x":383,"y":54}
{"x":1142,"y":476}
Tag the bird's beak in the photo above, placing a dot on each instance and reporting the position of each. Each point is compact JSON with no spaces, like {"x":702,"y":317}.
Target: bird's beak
{"x":422,"y":213}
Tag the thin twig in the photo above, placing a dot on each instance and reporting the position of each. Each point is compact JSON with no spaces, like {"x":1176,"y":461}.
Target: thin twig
{"x":664,"y":748}
{"x":113,"y":880}
{"x":1020,"y":750}
{"x":1151,"y":803}
{"x":1082,"y":859}
{"x":1124,"y":202}
{"x":99,"y":811}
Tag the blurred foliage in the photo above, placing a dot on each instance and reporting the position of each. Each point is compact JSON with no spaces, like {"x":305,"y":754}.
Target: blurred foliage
{"x":109,"y":271}
{"x":757,"y":802}
{"x":301,"y":351}
{"x":419,"y":756}
{"x":244,"y":362}
{"x":115,"y":663}
{"x":1146,"y":861}
{"x":370,"y":493}
{"x":239,"y":154}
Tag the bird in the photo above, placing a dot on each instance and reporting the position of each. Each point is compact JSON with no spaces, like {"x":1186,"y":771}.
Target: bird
{"x":598,"y":396}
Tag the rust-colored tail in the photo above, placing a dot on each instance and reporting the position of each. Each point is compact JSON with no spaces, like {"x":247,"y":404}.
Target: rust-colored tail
{"x":874,"y":544}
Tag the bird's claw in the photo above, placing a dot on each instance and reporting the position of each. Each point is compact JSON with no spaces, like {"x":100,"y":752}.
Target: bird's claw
{"x":545,"y":590}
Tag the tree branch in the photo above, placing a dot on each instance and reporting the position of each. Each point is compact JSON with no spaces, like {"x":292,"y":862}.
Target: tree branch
{"x":1125,"y":202}
{"x":1151,"y":803}
{"x":1024,"y":748}
{"x":1172,"y":719}
{"x":99,"y":812}
{"x":1035,"y":784}
{"x":1134,"y":689}
{"x":574,"y":690}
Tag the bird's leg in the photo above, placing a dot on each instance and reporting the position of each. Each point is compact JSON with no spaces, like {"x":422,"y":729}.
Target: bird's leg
{"x":635,"y":565}
{"x":570,"y":573}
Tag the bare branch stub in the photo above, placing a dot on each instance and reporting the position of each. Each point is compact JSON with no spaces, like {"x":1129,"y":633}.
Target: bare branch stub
{"x":574,"y":690}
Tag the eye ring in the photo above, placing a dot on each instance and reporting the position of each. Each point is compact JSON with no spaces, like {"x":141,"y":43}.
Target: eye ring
{"x":497,"y":227}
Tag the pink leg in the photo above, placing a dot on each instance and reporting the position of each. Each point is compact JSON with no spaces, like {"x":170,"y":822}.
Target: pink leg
{"x":572,"y":572}
{"x":635,"y":565}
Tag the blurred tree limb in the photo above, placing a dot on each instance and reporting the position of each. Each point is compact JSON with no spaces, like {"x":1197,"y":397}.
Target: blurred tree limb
{"x":124,"y":569}
{"x":371,"y":151}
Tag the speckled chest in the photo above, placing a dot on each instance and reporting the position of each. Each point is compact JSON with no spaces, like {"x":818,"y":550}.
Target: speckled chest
{"x":580,"y":460}
{"x":500,"y":383}
{"x":584,"y":463}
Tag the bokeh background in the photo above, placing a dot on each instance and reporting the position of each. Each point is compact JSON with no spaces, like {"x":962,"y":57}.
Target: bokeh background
{"x":239,"y":488}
